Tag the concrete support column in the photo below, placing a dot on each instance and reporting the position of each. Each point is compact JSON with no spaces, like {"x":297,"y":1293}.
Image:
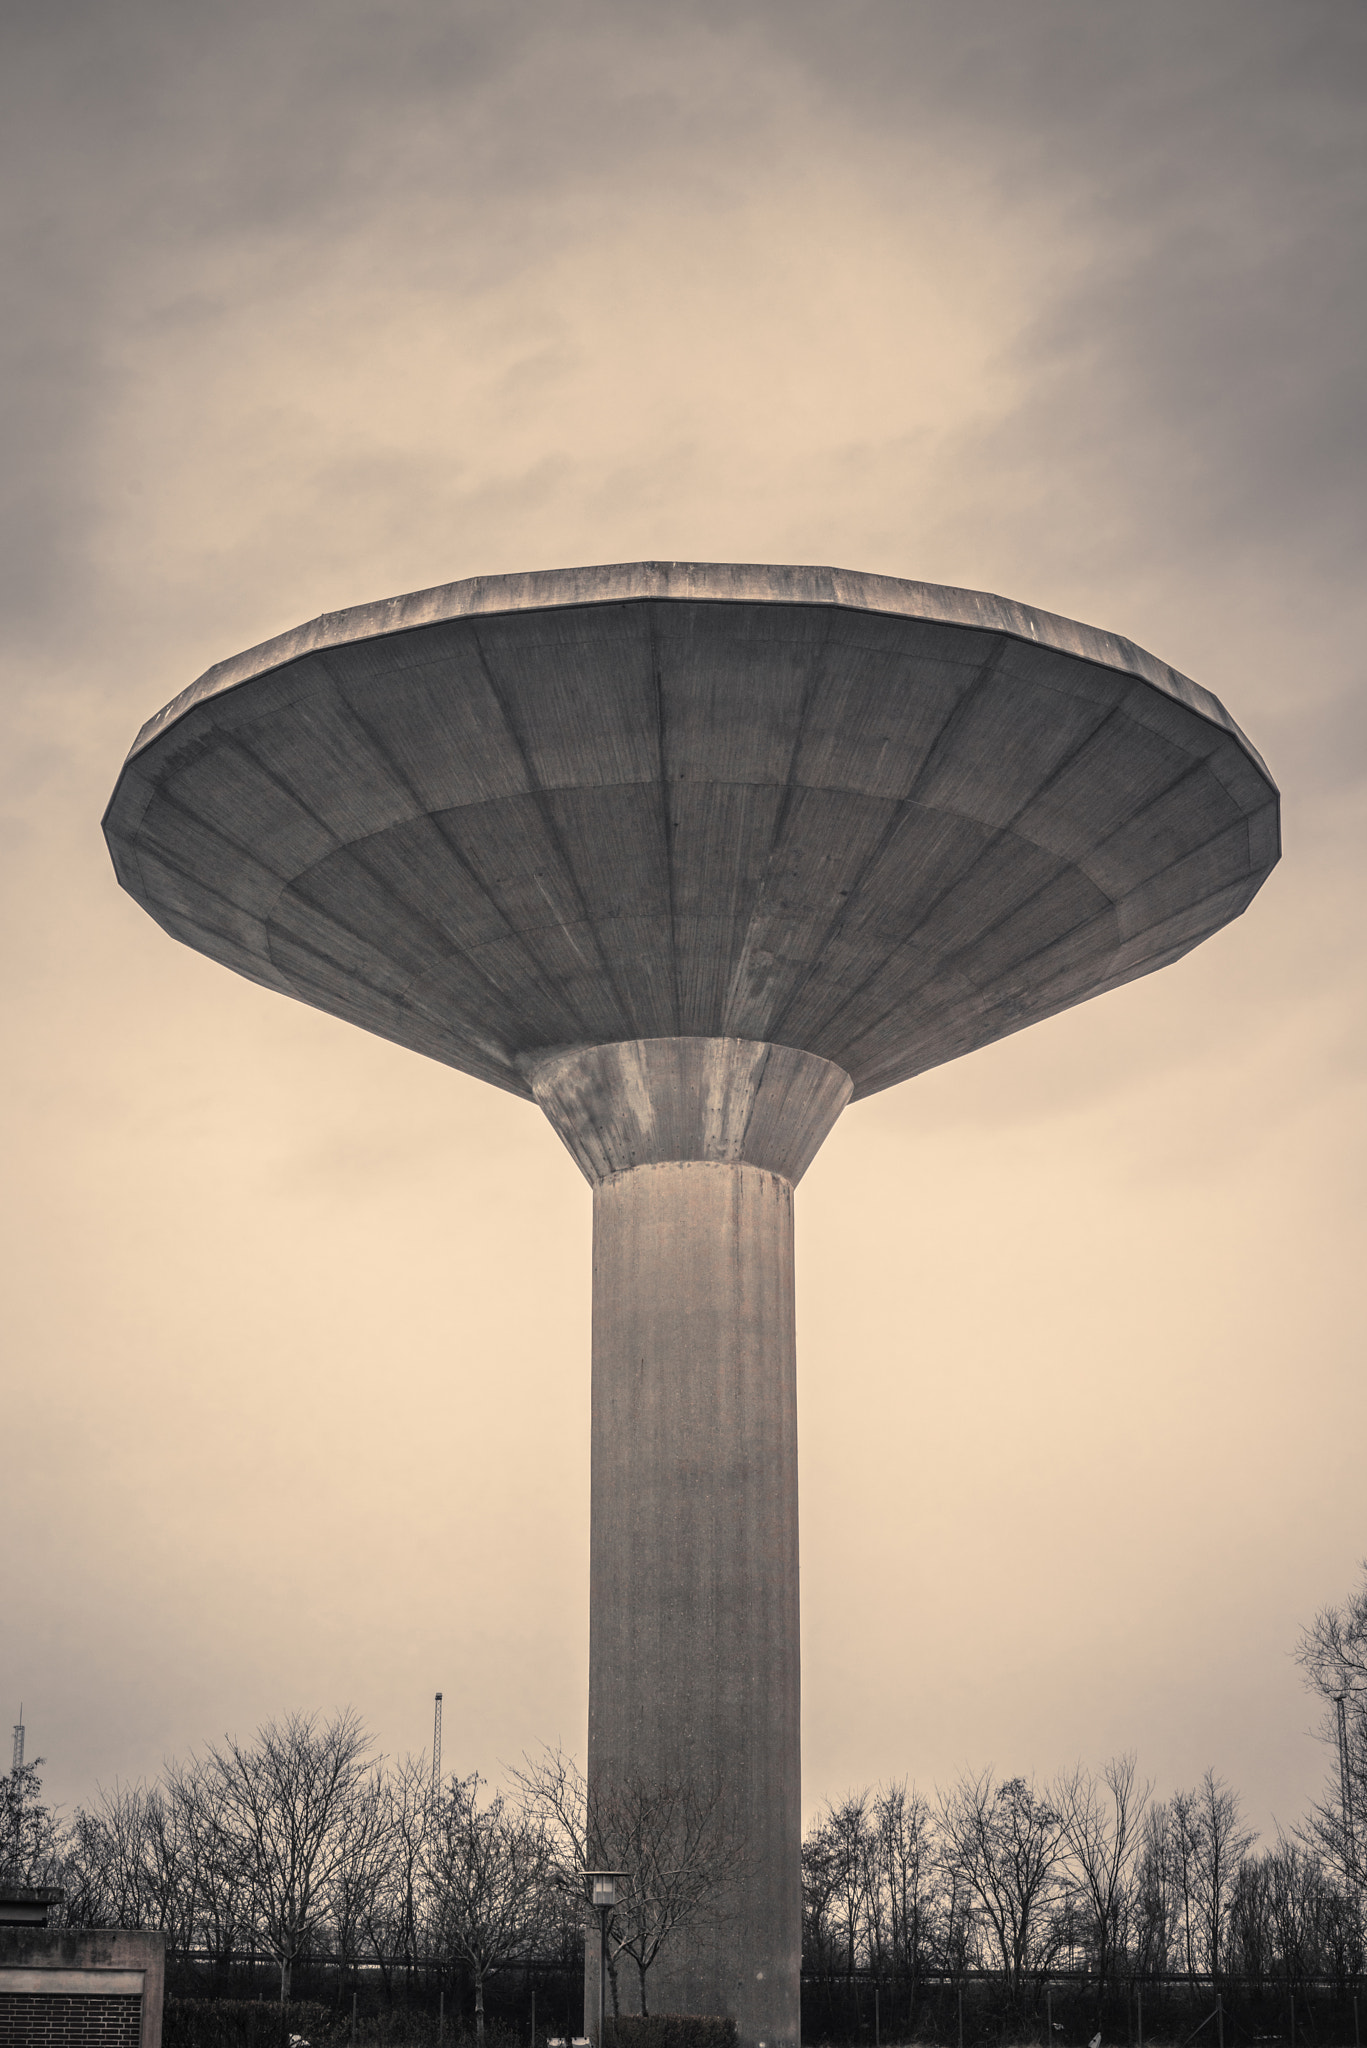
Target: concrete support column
{"x":693,"y":1147}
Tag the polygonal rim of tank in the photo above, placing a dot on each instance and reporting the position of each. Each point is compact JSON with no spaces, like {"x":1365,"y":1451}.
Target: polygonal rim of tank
{"x":795,"y":586}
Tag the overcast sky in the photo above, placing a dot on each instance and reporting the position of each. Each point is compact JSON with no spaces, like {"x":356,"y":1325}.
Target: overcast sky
{"x":311,"y":303}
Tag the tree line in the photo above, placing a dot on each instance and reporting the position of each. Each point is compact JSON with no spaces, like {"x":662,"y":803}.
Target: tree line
{"x":1088,"y":1874}
{"x":303,"y":1843}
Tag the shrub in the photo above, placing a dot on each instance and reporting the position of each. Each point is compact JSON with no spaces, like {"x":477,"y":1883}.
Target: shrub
{"x":244,"y":2023}
{"x":669,"y":2030}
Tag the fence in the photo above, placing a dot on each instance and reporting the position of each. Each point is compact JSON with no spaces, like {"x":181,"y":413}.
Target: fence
{"x":530,"y":2001}
{"x":865,"y":2008}
{"x":976,"y":2009}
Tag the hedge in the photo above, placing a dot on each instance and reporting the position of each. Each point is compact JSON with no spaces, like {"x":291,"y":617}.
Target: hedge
{"x":669,"y":2030}
{"x":244,"y":2023}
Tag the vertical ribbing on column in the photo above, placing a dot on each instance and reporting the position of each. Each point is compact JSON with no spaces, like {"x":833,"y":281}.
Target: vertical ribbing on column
{"x":693,"y":1147}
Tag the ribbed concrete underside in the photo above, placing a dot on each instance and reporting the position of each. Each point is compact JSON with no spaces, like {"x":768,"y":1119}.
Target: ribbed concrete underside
{"x":882,"y":821}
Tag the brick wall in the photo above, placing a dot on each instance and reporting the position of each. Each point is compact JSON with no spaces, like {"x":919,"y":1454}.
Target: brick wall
{"x":40,"y":2019}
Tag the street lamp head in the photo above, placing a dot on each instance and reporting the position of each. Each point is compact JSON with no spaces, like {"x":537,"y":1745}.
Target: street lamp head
{"x":604,"y":1887}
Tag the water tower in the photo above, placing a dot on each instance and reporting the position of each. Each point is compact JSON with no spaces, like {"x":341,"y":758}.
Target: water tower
{"x":693,"y":855}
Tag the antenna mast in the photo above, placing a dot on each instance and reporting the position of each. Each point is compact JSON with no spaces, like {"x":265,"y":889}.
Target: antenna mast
{"x":1346,"y":1783}
{"x":18,"y":1763}
{"x":436,"y":1752}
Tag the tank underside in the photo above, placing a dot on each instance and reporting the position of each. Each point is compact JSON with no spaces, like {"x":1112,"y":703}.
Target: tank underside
{"x":676,"y":800}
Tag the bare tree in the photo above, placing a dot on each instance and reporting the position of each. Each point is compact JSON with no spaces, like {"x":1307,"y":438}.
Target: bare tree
{"x":489,"y":1867}
{"x":1251,"y":1933}
{"x":285,"y":1802}
{"x":1333,"y":1650}
{"x":1225,"y":1843}
{"x":1187,"y":1842}
{"x":1288,"y":1918}
{"x":905,"y":1868}
{"x":133,"y":1860}
{"x":213,"y":1853}
{"x":30,"y":1845}
{"x":678,"y":1851}
{"x":392,"y":1913}
{"x":959,"y":1933}
{"x":1157,"y":1904}
{"x":1003,"y":1843}
{"x":108,"y":1844}
{"x":1338,"y":1931}
{"x":554,"y":1791}
{"x":367,"y":1853}
{"x":820,"y":1902}
{"x":1101,"y":1820}
{"x":172,"y":1865}
{"x":849,"y":1852}
{"x":1208,"y":1841}
{"x":677,"y":1847}
{"x":1333,"y":1655}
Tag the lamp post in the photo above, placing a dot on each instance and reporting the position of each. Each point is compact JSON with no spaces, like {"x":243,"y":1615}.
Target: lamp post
{"x":603,"y":1897}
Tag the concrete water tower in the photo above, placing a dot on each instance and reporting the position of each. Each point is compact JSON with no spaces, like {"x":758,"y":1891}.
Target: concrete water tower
{"x":693,"y":855}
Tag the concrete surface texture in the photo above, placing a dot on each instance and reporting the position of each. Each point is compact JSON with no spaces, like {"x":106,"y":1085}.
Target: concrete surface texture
{"x":693,"y":1147}
{"x":883,"y":822}
{"x":102,"y":1985}
{"x":691,"y":855}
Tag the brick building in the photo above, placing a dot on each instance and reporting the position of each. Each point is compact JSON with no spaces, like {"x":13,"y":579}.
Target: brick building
{"x":75,"y":1987}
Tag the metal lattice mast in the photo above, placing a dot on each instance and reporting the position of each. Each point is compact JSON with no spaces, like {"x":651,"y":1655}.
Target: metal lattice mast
{"x":1346,"y":1783}
{"x":18,"y":1763}
{"x":436,"y":1751}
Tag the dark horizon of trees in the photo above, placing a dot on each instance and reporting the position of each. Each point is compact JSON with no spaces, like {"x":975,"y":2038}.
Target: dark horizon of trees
{"x":1088,"y":1875}
{"x":304,"y":1843}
